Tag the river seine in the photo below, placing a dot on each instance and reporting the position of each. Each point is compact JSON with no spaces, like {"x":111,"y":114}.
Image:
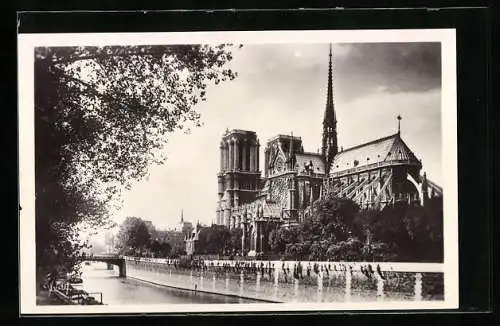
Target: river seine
{"x":115,"y":290}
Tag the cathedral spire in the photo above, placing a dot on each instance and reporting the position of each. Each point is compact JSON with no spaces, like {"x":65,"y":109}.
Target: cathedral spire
{"x":291,"y":152}
{"x":330,"y":147}
{"x":330,"y":110}
{"x":182,"y":215}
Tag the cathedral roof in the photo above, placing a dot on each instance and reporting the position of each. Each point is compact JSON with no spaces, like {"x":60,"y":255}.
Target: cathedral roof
{"x":305,"y":159}
{"x":284,"y":137}
{"x":387,"y":149}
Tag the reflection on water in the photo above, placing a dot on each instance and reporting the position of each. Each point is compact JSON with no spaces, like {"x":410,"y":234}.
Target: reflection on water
{"x":336,"y":286}
{"x":117,"y":290}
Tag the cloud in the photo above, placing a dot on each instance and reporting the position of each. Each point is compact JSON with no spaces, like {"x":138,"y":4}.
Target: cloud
{"x":395,"y":67}
{"x":359,"y":69}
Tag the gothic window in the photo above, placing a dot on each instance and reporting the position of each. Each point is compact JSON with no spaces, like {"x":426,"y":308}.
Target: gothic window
{"x":356,"y":162}
{"x":279,"y":165}
{"x":278,"y":193}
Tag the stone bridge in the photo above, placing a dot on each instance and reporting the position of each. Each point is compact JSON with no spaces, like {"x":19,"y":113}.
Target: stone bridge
{"x":110,"y":260}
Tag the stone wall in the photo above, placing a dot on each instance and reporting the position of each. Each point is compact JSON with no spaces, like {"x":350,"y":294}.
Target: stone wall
{"x":276,"y":280}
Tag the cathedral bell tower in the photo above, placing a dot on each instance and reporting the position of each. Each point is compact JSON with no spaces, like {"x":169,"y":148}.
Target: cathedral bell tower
{"x":330,"y":145}
{"x":239,"y":175}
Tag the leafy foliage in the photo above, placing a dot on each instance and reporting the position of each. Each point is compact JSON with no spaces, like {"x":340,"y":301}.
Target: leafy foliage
{"x":133,"y":235}
{"x":408,"y":233}
{"x":279,"y":238}
{"x":136,"y":238}
{"x":177,"y":251}
{"x":102,"y":116}
{"x":330,"y":234}
{"x":234,"y":243}
{"x":160,"y":249}
{"x":213,"y":240}
{"x":338,"y":230}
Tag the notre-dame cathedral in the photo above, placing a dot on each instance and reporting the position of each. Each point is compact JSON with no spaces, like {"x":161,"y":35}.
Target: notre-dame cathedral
{"x":381,"y":172}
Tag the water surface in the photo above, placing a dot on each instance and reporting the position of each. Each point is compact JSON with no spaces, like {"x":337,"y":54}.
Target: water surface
{"x":116,"y":290}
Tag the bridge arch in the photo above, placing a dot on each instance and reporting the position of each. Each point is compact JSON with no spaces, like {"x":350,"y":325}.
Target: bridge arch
{"x":110,"y":260}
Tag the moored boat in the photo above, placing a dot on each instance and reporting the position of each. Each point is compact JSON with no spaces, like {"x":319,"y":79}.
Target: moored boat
{"x":70,"y":294}
{"x":75,"y":280}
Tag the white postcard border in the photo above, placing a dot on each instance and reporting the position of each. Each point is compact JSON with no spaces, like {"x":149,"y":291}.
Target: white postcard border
{"x":27,"y":263}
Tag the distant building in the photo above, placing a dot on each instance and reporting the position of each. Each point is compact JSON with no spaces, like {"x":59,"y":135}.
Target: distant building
{"x":183,"y":226}
{"x":109,"y":242}
{"x":192,"y":239}
{"x":174,"y":238}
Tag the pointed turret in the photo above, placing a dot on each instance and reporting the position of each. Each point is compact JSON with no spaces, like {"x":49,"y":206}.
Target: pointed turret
{"x":291,"y":153}
{"x":330,"y":110}
{"x":330,"y":146}
{"x":182,"y":215}
{"x":424,"y":190}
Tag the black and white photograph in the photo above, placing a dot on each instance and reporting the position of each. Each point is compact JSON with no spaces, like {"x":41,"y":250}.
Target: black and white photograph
{"x":238,"y":171}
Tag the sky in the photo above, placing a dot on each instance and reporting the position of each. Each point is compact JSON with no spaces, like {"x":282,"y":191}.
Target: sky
{"x":282,"y":89}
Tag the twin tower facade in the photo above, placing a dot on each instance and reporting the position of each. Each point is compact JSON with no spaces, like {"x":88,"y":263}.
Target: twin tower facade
{"x":381,"y":172}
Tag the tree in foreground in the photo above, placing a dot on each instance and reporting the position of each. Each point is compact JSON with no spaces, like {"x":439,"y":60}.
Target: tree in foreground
{"x":102,"y":117}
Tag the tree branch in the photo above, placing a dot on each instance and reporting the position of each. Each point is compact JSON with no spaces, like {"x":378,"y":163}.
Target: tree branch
{"x":91,"y":89}
{"x":96,"y":56}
